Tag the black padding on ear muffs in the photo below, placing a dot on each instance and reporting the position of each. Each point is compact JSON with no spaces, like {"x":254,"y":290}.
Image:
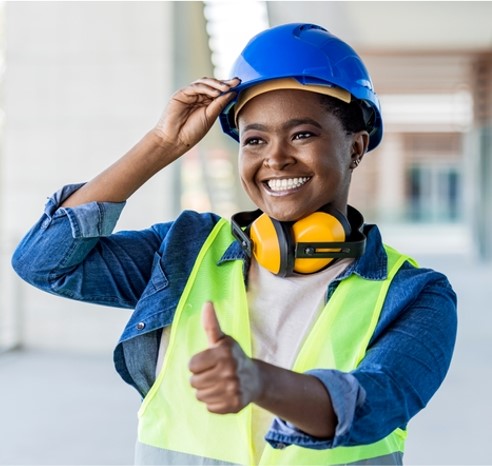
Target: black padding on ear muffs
{"x":286,"y":247}
{"x":304,"y":246}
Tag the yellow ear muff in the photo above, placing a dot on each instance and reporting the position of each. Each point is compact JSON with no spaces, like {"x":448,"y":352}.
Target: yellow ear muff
{"x":287,"y":247}
{"x":319,"y":227}
{"x":266,"y":247}
{"x":274,"y":242}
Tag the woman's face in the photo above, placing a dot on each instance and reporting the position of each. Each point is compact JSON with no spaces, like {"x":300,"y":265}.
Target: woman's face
{"x":295,"y":156}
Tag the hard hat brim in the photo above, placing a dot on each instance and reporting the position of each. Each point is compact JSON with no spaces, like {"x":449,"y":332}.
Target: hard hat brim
{"x":286,"y":84}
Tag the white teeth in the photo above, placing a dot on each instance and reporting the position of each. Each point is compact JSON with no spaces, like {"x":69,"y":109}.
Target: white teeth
{"x":286,"y":184}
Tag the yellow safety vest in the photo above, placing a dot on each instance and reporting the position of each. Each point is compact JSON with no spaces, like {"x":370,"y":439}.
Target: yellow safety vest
{"x":172,"y":419}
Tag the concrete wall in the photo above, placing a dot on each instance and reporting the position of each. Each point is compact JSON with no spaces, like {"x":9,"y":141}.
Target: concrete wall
{"x":83,"y":82}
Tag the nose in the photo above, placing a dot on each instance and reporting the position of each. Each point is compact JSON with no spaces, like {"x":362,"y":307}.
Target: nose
{"x":278,"y":157}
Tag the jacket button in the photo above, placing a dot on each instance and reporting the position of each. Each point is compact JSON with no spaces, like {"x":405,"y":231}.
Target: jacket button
{"x":140,"y":325}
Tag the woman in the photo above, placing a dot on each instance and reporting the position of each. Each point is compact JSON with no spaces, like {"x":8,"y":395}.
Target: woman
{"x":289,"y":335}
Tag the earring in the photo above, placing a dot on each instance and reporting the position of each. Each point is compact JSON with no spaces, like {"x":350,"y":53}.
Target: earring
{"x":355,"y":163}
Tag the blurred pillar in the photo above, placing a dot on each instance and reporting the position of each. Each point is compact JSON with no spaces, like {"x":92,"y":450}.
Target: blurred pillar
{"x":192,"y":59}
{"x":391,"y":173}
{"x":192,"y":56}
{"x":215,"y":157}
{"x":83,"y":82}
{"x":482,"y":144}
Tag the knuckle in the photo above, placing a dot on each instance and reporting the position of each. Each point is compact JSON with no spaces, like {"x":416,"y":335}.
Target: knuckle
{"x":193,"y":382}
{"x":232,"y":387}
{"x":199,"y":396}
{"x":236,"y":405}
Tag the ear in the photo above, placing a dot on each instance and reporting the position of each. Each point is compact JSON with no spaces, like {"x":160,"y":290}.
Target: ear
{"x":360,"y":144}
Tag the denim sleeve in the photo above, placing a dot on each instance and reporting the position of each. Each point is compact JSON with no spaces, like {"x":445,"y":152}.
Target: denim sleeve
{"x":87,"y":220}
{"x":72,"y":252}
{"x":405,"y":364}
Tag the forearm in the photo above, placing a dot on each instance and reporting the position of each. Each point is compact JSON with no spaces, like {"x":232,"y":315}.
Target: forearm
{"x":300,"y":399}
{"x":188,"y":117}
{"x":120,"y":180}
{"x":73,"y":254}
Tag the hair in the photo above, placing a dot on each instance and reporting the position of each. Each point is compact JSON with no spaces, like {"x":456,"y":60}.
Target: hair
{"x":350,"y":114}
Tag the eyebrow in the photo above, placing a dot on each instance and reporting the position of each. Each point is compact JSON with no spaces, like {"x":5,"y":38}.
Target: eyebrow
{"x":301,"y":121}
{"x":288,"y":125}
{"x":256,"y":126}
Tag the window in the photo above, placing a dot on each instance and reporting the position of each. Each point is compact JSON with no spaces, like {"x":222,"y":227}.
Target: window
{"x":433,"y":192}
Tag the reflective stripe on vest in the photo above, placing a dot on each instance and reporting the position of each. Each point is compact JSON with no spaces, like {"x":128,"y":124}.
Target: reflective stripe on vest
{"x":171,"y":418}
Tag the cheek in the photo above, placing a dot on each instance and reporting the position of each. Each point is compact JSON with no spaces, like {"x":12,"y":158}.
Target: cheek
{"x":245,"y":172}
{"x":247,"y":167}
{"x":247,"y":175}
{"x":242,"y":167}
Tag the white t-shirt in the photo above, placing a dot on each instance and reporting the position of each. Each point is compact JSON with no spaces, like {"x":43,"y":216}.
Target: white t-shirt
{"x":282,"y":311}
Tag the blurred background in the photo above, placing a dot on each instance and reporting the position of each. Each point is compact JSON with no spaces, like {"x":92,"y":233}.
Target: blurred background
{"x":81,"y":82}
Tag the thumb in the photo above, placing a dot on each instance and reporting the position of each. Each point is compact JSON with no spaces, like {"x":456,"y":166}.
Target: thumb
{"x":211,"y":324}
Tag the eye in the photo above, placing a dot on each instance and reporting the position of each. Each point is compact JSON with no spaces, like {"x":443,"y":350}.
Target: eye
{"x":303,"y":135}
{"x":252,"y":141}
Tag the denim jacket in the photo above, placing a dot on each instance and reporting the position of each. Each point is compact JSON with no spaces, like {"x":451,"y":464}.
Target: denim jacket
{"x":73,"y":252}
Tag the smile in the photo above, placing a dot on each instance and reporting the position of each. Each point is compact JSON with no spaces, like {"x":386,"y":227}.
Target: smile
{"x":286,"y":184}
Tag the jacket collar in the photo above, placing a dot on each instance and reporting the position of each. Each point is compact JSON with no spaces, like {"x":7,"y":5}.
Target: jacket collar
{"x":373,"y":264}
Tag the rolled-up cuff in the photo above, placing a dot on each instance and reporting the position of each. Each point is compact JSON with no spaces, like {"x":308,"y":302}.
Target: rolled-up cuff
{"x":90,"y":220}
{"x":346,"y":395}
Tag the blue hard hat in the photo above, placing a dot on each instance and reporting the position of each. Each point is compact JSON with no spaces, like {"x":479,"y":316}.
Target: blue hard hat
{"x":311,"y":55}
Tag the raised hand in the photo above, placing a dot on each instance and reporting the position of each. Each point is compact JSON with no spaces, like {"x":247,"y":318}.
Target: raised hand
{"x":187,"y":118}
{"x":225,"y":379}
{"x":192,"y":111}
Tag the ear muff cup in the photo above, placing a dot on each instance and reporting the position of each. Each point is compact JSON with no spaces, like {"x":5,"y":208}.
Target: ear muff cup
{"x":274,"y":242}
{"x":317,"y":227}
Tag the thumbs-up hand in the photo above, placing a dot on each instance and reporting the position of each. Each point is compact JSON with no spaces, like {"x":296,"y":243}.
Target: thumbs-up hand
{"x":225,"y":379}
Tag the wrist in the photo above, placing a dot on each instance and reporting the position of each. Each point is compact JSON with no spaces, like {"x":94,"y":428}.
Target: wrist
{"x":169,"y":146}
{"x":263,"y":379}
